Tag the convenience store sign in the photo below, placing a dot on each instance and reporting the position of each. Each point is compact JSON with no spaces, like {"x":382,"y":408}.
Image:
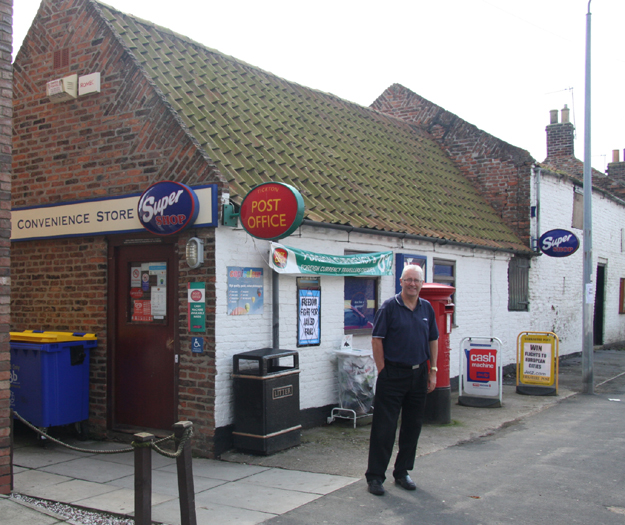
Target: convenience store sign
{"x":97,"y":217}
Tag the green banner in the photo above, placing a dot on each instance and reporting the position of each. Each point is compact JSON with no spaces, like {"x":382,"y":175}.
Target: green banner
{"x":285,"y":259}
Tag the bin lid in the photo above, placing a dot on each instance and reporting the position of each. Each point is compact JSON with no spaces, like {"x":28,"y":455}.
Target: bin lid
{"x":33,"y":336}
{"x":355,"y":352}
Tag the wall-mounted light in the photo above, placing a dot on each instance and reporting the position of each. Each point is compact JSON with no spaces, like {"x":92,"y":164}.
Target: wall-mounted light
{"x":195,"y":252}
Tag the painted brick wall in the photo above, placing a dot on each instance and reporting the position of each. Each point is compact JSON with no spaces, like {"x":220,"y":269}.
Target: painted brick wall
{"x":481,"y":300}
{"x":556,"y":284}
{"x":498,"y":170}
{"x":236,"y":334}
{"x":106,"y":144}
{"x":6,"y":83}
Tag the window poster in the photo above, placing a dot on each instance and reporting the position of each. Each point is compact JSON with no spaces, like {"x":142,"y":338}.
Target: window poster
{"x":405,"y":259}
{"x":360,"y":302}
{"x":308,"y":312}
{"x":245,"y":290}
{"x":148,"y":291}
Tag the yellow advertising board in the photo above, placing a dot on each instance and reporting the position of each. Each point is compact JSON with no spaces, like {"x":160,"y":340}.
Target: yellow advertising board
{"x":537,"y":363}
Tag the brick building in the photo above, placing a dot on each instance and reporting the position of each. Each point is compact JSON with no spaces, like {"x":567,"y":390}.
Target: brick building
{"x":152,"y":106}
{"x":6,"y":80}
{"x":511,"y":181}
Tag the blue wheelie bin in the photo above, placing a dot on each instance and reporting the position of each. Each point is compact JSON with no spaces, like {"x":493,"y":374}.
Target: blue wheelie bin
{"x":50,"y":377}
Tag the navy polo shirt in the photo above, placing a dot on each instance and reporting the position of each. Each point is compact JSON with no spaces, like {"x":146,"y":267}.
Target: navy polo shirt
{"x":406,"y":333}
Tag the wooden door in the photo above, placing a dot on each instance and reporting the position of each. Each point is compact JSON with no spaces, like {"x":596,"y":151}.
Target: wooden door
{"x":144,"y":343}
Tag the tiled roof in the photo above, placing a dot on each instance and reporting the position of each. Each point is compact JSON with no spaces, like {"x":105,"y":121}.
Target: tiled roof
{"x":354,"y":166}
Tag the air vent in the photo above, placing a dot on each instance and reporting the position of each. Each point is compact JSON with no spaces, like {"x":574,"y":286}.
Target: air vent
{"x":61,"y":58}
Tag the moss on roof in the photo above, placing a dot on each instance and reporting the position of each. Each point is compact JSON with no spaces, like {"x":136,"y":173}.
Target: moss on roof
{"x":354,"y":166}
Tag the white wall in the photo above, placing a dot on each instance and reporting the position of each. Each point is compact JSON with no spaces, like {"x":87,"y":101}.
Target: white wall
{"x":556,"y":284}
{"x":482,"y":300}
{"x":481,"y":297}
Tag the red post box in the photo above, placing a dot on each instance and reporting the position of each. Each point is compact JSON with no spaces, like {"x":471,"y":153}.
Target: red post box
{"x":438,"y":404}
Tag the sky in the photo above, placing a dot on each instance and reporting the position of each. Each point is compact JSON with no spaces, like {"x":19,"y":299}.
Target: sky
{"x":498,"y":64}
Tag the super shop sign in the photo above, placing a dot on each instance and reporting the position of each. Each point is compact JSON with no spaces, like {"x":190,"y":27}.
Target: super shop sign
{"x":558,"y":243}
{"x":168,"y":207}
{"x":272,"y":211}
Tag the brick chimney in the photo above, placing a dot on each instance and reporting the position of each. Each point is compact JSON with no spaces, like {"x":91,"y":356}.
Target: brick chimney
{"x":560,"y":136}
{"x":616,"y":168}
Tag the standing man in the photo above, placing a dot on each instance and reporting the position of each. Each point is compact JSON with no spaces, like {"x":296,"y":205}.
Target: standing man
{"x":405,"y":337}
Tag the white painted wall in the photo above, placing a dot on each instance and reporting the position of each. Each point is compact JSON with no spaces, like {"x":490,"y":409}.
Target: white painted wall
{"x":481,"y":306}
{"x":556,"y":284}
{"x":481,"y":297}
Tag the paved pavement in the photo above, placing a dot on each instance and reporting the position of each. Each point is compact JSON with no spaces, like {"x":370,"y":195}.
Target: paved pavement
{"x":249,"y":489}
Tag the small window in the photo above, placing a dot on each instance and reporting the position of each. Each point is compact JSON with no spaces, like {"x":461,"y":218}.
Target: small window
{"x":445,"y":272}
{"x":518,"y":284}
{"x":360,"y":305}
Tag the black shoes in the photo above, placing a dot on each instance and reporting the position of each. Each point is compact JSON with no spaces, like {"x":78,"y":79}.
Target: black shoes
{"x":375,"y":487}
{"x":404,"y":482}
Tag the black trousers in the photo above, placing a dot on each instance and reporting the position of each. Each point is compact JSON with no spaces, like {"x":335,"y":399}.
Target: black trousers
{"x":397,"y":390}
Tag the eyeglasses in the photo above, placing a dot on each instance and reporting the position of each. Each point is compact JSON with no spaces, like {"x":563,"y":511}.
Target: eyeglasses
{"x":413,"y":281}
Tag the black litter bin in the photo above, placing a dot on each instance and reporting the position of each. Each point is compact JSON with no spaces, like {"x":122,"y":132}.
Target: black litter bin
{"x":266,"y":400}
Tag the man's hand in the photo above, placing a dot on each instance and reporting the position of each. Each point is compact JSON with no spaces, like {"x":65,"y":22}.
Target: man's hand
{"x":431,"y":380}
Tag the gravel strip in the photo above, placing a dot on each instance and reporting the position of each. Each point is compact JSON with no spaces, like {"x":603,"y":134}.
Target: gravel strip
{"x":76,"y":515}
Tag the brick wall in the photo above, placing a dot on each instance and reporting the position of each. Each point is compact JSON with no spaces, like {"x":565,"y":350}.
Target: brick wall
{"x":561,"y":156}
{"x":60,"y":285}
{"x":6,"y":90}
{"x":196,"y":380}
{"x":615,"y":181}
{"x":499,"y":171}
{"x":560,"y":140}
{"x":106,"y":144}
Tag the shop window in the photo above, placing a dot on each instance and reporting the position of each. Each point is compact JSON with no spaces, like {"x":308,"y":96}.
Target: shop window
{"x":445,"y":273}
{"x":518,"y":284}
{"x":361,"y":304}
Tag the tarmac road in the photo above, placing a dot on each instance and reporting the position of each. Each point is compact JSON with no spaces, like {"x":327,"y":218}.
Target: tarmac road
{"x":563,"y":465}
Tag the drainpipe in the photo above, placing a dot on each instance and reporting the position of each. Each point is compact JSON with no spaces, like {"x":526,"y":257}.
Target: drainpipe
{"x":538,"y":172}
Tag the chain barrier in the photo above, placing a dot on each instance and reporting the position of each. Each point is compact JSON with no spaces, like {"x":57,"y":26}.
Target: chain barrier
{"x":188,"y":434}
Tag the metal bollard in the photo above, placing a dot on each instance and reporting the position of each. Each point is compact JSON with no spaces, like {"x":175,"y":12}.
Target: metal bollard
{"x":143,"y":480}
{"x":186,"y":490}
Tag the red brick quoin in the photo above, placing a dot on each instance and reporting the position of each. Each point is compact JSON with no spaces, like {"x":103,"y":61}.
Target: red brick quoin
{"x":6,"y":90}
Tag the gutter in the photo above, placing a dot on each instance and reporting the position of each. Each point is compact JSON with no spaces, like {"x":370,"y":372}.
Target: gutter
{"x":414,"y":237}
